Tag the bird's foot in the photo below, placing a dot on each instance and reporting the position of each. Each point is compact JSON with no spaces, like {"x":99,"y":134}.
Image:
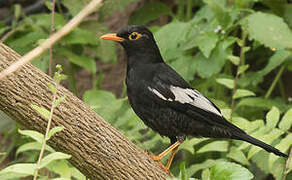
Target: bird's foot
{"x":158,"y":160}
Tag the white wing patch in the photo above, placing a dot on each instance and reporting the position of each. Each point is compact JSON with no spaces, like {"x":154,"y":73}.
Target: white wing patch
{"x":194,"y":98}
{"x":189,"y":96}
{"x":159,"y":94}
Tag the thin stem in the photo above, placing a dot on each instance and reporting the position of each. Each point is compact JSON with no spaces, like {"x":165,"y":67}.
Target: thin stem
{"x":241,"y":60}
{"x":51,"y":32}
{"x":287,"y":165}
{"x":59,"y":7}
{"x":46,"y":135}
{"x":180,"y":11}
{"x":272,"y":87}
{"x":189,"y":10}
{"x":282,"y":89}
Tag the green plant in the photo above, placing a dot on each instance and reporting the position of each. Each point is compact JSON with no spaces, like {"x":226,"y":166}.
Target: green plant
{"x":53,"y":161}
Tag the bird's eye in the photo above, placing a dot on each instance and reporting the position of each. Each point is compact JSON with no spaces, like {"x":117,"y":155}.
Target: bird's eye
{"x":134,"y":36}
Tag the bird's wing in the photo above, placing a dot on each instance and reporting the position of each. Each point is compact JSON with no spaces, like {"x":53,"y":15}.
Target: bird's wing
{"x":169,"y":86}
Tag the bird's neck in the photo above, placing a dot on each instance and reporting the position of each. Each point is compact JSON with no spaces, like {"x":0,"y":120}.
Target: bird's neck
{"x":144,"y":56}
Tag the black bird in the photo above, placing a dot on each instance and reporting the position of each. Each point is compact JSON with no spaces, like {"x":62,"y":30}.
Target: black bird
{"x":165,"y":101}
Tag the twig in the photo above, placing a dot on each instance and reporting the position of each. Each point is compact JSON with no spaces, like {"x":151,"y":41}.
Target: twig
{"x":9,"y":33}
{"x":53,"y":39}
{"x":273,"y":85}
{"x":241,"y":60}
{"x":287,"y":165}
{"x":47,"y":133}
{"x":189,"y":10}
{"x":51,"y":32}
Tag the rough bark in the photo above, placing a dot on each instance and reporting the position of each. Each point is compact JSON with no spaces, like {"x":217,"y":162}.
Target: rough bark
{"x":98,"y":150}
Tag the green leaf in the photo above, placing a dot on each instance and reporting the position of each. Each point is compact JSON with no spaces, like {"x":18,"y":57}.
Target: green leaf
{"x":234,"y":59}
{"x":52,"y":88}
{"x":54,"y":130}
{"x":270,"y":30}
{"x":206,"y":41}
{"x":107,"y":104}
{"x":241,"y":122}
{"x":61,"y":168}
{"x":59,"y":100}
{"x":32,"y":134}
{"x":77,"y":174}
{"x":42,"y":62}
{"x":199,"y":166}
{"x":229,"y":171}
{"x":238,"y":156}
{"x":169,"y":46}
{"x":277,"y":59}
{"x":49,"y":5}
{"x":17,"y":10}
{"x":3,"y":28}
{"x":182,"y":168}
{"x":74,"y":6}
{"x":108,"y":8}
{"x":248,"y":126}
{"x":221,"y":15}
{"x":81,"y":36}
{"x":206,"y":174}
{"x":229,"y":83}
{"x":286,"y":121}
{"x":273,"y":117}
{"x":219,"y":146}
{"x":190,"y":143}
{"x":242,"y":69}
{"x":41,"y":110}
{"x":278,"y":168}
{"x":106,"y":51}
{"x":206,"y":67}
{"x":32,"y":146}
{"x":261,"y":160}
{"x":283,"y":146}
{"x":226,"y":112}
{"x":26,"y":42}
{"x":52,"y":157}
{"x":243,"y":93}
{"x":263,"y":103}
{"x":185,"y":66}
{"x":81,"y":60}
{"x":181,"y":62}
{"x":149,"y":12}
{"x":17,"y":170}
{"x":44,"y":20}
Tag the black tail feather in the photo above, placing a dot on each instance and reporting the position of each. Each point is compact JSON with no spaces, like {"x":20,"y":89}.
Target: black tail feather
{"x":254,"y":141}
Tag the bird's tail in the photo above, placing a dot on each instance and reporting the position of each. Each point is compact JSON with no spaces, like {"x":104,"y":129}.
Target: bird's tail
{"x":254,"y":141}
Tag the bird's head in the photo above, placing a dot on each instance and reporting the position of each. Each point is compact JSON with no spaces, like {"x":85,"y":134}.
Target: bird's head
{"x":137,"y":40}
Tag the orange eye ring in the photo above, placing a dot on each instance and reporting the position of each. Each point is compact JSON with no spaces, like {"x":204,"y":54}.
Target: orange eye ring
{"x":134,"y":36}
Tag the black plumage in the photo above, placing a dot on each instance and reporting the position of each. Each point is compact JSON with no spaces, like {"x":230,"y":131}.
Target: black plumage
{"x":165,"y":101}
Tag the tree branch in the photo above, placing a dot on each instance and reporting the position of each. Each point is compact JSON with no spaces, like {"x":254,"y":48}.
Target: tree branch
{"x":52,"y":39}
{"x":98,"y":150}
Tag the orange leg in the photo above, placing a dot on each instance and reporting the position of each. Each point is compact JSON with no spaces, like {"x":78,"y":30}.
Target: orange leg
{"x":171,"y":158}
{"x":172,"y":148}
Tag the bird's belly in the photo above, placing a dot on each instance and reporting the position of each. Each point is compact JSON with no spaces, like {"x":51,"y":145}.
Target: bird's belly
{"x":161,"y":119}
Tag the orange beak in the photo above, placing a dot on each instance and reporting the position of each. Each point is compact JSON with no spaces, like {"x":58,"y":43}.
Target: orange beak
{"x":113,"y":37}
